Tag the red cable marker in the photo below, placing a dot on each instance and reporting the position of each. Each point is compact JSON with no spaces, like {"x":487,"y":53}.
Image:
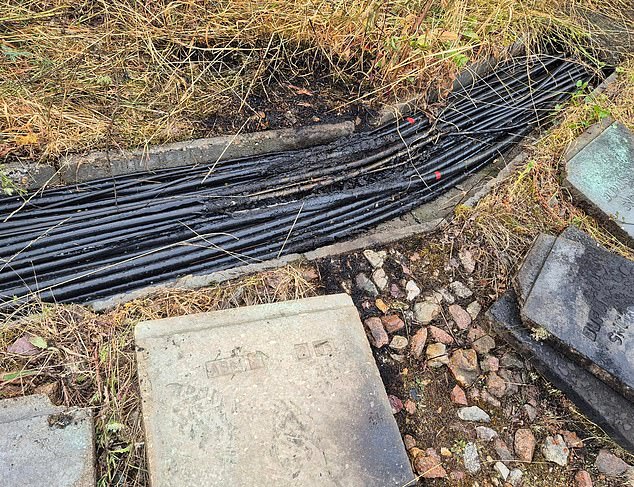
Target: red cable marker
{"x":410,"y":120}
{"x":438,"y":175}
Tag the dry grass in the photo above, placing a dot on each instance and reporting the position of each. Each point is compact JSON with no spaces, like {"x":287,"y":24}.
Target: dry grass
{"x":501,"y":228}
{"x":78,"y":75}
{"x":533,"y":200}
{"x":84,"y":359}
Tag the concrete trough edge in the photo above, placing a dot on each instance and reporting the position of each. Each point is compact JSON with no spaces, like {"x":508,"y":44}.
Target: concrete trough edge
{"x":80,"y":168}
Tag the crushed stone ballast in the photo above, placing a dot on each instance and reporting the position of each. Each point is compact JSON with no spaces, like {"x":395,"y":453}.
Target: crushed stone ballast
{"x":97,"y":239}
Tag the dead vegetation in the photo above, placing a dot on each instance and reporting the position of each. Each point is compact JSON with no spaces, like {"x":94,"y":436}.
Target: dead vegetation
{"x":79,"y":75}
{"x":533,"y":199}
{"x":80,"y":358}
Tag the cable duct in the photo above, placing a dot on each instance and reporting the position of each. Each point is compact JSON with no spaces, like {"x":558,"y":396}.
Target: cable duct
{"x":104,"y":237}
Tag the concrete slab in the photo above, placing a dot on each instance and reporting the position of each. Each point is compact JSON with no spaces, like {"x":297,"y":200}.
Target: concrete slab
{"x":601,"y":175}
{"x":42,"y":444}
{"x":584,"y":297}
{"x":600,"y":403}
{"x":576,"y":235}
{"x":538,"y":253}
{"x":281,"y":394}
{"x":532,"y":264}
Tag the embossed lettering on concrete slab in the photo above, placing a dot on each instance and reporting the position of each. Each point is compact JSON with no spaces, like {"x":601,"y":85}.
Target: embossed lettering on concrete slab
{"x":281,"y":394}
{"x":602,"y":173}
{"x":42,"y":444}
{"x":584,"y":296}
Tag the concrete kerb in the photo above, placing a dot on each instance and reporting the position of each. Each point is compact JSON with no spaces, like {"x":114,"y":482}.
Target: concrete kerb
{"x":200,"y":151}
{"x":96,"y":165}
{"x":32,"y":177}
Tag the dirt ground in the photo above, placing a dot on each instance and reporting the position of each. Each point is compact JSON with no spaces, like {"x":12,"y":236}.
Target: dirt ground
{"x":433,"y":263}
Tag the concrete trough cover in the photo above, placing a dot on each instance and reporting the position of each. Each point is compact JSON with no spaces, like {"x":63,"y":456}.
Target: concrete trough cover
{"x":599,"y":402}
{"x":601,"y":174}
{"x":281,"y":394}
{"x":584,"y":297}
{"x":42,"y":444}
{"x":532,"y":264}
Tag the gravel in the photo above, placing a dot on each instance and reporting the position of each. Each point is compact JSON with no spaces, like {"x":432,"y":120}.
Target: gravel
{"x":473,"y":413}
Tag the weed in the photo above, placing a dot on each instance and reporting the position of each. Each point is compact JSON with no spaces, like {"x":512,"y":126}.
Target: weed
{"x":88,"y":360}
{"x":8,"y":185}
{"x":458,"y":447}
{"x":540,"y":334}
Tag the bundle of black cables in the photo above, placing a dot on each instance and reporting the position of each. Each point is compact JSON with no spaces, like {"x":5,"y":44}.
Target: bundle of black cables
{"x":104,"y":237}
